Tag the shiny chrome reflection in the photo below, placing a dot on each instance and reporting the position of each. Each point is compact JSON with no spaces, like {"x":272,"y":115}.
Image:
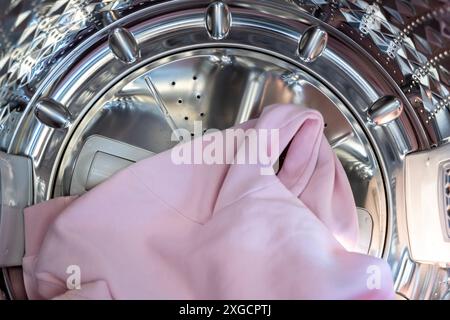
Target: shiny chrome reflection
{"x":123,"y":45}
{"x":52,"y":113}
{"x":159,"y":100}
{"x":218,"y":20}
{"x":312,"y":43}
{"x":385,"y":109}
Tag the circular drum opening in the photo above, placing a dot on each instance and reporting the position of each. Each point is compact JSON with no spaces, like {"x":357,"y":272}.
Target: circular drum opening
{"x":215,"y":88}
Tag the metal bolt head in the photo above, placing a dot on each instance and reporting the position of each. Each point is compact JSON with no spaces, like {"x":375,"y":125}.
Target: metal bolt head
{"x":312,"y":43}
{"x":385,"y":110}
{"x":218,"y":20}
{"x":124,"y":45}
{"x":52,"y":113}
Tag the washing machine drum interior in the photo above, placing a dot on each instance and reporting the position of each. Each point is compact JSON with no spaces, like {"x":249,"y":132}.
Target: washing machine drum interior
{"x":112,"y":83}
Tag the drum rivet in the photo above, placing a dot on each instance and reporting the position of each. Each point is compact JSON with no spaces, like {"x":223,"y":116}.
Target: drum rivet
{"x":312,"y":43}
{"x":218,"y":20}
{"x":52,"y":113}
{"x":124,"y":45}
{"x":385,"y":109}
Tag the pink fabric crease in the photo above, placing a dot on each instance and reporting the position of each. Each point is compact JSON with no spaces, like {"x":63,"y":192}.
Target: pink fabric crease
{"x":158,"y":230}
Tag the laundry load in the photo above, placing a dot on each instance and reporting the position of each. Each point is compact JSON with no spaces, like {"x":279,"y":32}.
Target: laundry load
{"x":165,"y":229}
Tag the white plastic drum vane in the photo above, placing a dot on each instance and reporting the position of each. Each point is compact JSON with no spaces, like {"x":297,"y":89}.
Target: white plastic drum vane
{"x":89,"y":87}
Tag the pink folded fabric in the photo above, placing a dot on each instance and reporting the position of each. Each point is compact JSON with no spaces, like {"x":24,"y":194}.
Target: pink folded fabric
{"x":160,"y":230}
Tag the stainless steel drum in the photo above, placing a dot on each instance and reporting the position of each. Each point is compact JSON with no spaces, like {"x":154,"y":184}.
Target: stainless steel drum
{"x":91,"y":86}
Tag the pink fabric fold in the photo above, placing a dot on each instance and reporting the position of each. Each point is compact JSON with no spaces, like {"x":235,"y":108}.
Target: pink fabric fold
{"x":158,"y":230}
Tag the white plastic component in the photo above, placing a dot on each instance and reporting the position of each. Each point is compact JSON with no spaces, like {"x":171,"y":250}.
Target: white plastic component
{"x":100,"y":158}
{"x":16,"y":194}
{"x":104,"y":166}
{"x":426,"y":212}
{"x":365,"y":223}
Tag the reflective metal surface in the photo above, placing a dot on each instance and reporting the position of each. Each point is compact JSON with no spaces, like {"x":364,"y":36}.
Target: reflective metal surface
{"x":385,"y":109}
{"x":218,"y":20}
{"x":380,"y":79}
{"x":410,"y":39}
{"x":52,"y":113}
{"x":312,"y":43}
{"x":124,"y":45}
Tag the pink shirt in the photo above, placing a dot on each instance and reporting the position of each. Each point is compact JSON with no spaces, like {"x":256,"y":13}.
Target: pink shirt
{"x":158,"y":230}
